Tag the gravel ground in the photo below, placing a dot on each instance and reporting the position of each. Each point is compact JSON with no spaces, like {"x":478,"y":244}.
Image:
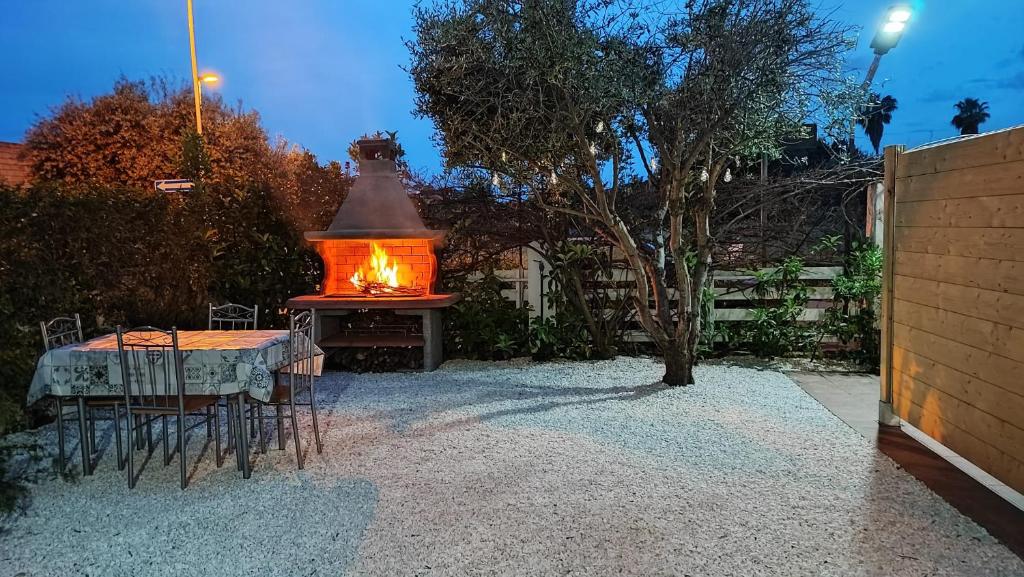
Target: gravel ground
{"x":522,"y":469}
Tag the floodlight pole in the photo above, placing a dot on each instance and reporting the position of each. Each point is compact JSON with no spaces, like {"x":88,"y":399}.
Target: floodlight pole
{"x":870,"y":76}
{"x":196,"y":90}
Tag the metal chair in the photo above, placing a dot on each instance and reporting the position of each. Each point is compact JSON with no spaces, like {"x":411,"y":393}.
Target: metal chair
{"x":63,"y":331}
{"x":300,"y":380}
{"x":153,"y":372}
{"x":231,"y":316}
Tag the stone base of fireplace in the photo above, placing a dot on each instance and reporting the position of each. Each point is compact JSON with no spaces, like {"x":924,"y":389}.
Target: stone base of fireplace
{"x":330,"y":310}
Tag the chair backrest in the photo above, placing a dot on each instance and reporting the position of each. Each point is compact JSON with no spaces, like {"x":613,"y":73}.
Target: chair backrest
{"x":233,"y":317}
{"x":152,"y":368}
{"x":300,"y":350}
{"x":61,"y":331}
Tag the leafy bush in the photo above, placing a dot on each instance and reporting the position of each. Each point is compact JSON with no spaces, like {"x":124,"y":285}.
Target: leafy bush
{"x":559,"y":337}
{"x":852,"y":318}
{"x":484,"y":324}
{"x":776,"y":328}
{"x":589,"y":318}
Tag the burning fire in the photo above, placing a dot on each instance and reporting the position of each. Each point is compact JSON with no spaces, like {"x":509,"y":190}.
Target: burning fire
{"x":382,"y":277}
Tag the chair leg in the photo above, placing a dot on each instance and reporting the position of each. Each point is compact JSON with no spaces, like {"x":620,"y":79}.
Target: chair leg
{"x":231,"y":426}
{"x":139,"y":442}
{"x":117,"y":436}
{"x":181,"y":449}
{"x":252,"y":422}
{"x":149,"y":433}
{"x":280,"y":427}
{"x":61,"y":459}
{"x":92,"y":431}
{"x":242,"y":446}
{"x":167,"y":451}
{"x":131,"y":453}
{"x":295,"y":433}
{"x":259,"y":419}
{"x":316,"y":425}
{"x":209,"y":423}
{"x":83,"y":436}
{"x":216,"y":439}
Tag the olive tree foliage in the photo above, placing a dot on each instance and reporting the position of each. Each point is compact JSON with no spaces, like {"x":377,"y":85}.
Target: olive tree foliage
{"x":580,"y":99}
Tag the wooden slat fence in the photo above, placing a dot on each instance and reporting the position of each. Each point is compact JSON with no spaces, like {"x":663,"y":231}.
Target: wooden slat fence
{"x":953,"y":297}
{"x":734,"y":300}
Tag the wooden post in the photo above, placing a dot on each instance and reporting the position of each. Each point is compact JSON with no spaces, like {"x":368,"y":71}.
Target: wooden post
{"x":875,"y":222}
{"x":538,"y":284}
{"x":886,"y":415}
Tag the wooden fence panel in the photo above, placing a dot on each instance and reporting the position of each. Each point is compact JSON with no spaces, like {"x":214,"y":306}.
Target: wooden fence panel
{"x":953,"y":291}
{"x":734,"y":299}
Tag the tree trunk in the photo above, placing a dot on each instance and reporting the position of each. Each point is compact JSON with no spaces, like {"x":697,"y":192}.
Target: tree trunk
{"x":678,"y":364}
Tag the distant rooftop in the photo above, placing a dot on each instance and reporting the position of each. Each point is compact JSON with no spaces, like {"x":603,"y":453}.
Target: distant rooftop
{"x":14,"y":170}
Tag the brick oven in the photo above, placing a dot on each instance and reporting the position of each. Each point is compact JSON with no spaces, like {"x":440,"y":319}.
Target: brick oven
{"x":380,"y":262}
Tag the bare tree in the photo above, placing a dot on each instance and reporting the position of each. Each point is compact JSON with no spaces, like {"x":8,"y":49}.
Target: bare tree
{"x":578,"y":100}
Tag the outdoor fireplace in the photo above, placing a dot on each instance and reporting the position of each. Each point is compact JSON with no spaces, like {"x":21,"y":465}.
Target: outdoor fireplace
{"x":378,"y":255}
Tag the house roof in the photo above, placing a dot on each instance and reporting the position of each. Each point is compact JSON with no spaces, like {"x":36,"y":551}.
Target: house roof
{"x":14,"y":169}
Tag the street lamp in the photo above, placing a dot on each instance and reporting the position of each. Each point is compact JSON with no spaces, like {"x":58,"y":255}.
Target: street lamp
{"x":886,"y":38}
{"x":198,"y":79}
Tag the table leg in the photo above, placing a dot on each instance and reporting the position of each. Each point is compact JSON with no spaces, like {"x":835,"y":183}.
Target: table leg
{"x":83,"y":437}
{"x":242,"y":439}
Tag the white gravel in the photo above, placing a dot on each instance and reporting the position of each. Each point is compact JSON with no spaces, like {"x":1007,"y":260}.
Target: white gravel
{"x":522,"y":469}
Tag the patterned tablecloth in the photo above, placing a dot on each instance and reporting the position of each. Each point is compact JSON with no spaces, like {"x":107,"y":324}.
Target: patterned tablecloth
{"x":216,"y":363}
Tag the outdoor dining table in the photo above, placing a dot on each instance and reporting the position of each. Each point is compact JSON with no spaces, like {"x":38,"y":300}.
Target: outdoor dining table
{"x":233,"y":364}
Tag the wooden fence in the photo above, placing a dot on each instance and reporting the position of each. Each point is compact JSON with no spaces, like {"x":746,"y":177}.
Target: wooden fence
{"x":734,"y":301}
{"x":953,"y":297}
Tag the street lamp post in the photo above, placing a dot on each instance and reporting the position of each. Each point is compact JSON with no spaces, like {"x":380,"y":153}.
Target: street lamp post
{"x":886,"y":38}
{"x":197,"y":79}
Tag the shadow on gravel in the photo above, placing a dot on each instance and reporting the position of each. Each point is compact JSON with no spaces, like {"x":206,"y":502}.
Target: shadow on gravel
{"x":515,"y":400}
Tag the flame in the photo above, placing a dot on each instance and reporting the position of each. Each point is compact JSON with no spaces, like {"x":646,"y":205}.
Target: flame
{"x":382,"y":277}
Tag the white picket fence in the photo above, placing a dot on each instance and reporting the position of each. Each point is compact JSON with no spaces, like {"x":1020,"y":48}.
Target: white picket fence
{"x":530,"y":286}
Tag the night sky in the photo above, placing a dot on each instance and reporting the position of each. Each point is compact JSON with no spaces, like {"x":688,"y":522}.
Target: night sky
{"x":322,"y":72}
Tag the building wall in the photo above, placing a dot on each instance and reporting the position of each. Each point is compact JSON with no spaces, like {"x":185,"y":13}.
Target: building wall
{"x":14,"y":170}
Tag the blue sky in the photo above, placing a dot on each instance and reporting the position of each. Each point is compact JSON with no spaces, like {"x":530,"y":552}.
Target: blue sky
{"x":322,"y":72}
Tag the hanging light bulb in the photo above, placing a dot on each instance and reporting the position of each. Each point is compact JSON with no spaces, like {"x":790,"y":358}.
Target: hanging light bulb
{"x":728,"y":175}
{"x":704,"y":175}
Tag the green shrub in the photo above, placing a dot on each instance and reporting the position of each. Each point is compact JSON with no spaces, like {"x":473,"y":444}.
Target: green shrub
{"x":776,"y":329}
{"x":590,"y":319}
{"x":484,"y":324}
{"x":852,"y":318}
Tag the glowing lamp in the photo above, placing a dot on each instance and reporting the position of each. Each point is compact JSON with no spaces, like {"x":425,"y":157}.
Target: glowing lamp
{"x":889,"y":34}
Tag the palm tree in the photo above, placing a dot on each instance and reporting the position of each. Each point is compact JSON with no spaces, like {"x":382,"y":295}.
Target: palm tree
{"x":874,"y":116}
{"x":970,"y":112}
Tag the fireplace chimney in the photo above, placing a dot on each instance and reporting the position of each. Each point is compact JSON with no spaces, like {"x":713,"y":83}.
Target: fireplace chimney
{"x":377,"y":205}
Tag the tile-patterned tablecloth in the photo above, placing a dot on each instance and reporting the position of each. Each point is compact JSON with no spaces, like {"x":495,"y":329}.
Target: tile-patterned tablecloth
{"x":216,"y":363}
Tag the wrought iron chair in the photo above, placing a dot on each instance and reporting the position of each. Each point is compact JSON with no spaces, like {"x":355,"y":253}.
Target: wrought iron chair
{"x":153,"y":372}
{"x":233,"y":317}
{"x":299,"y":369}
{"x":63,"y":331}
